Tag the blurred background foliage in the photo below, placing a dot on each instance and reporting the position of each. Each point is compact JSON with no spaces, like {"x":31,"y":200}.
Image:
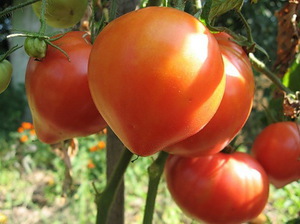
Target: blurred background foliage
{"x":32,"y":175}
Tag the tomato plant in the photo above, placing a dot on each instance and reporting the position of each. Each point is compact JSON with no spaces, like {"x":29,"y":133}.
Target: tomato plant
{"x":5,"y":74}
{"x":221,"y":188}
{"x":35,"y":47}
{"x":156,"y":76}
{"x":237,"y":100}
{"x":58,"y":93}
{"x":277,"y":148}
{"x":62,"y":13}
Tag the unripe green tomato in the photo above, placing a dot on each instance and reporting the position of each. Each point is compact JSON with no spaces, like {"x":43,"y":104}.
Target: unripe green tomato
{"x":35,"y":47}
{"x":62,"y":13}
{"x":5,"y":74}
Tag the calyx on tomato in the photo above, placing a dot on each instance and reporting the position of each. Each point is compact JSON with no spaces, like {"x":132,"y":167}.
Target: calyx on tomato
{"x":58,"y":93}
{"x":220,"y":188}
{"x":156,"y":76}
{"x":234,"y":109}
{"x":277,"y":149}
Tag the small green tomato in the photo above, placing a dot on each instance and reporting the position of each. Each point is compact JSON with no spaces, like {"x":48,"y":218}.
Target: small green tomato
{"x":5,"y":74}
{"x":35,"y":47}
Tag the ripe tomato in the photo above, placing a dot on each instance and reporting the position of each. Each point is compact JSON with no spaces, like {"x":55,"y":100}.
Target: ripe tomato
{"x":156,"y":76}
{"x":62,"y":13}
{"x":277,"y":148}
{"x":220,"y":188}
{"x":58,"y":93}
{"x":5,"y":74}
{"x":234,"y":109}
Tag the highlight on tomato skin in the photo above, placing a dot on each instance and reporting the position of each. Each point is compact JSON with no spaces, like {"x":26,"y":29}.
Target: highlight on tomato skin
{"x":220,"y":188}
{"x":234,"y":109}
{"x":58,"y":93}
{"x":156,"y":76}
{"x":277,"y":149}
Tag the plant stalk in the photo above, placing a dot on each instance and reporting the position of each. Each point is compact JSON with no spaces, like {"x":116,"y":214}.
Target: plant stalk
{"x":13,"y":8}
{"x":261,"y":67}
{"x":105,"y":199}
{"x":42,"y":18}
{"x":155,"y":172}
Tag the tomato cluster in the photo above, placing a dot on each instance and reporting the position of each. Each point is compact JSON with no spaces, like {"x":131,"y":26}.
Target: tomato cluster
{"x":162,"y":81}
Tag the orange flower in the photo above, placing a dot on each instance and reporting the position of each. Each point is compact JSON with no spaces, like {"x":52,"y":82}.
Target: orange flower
{"x":91,"y":165}
{"x":104,"y":131}
{"x":101,"y":145}
{"x":26,"y":125}
{"x":93,"y":148}
{"x":23,"y":138}
{"x":20,"y":129}
{"x":32,"y":132}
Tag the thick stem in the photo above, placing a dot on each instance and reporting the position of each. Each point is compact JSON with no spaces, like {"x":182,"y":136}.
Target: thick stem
{"x":42,"y":18}
{"x":154,"y":2}
{"x":247,"y":27}
{"x":106,"y":198}
{"x":155,"y":172}
{"x":261,"y":67}
{"x":13,"y":8}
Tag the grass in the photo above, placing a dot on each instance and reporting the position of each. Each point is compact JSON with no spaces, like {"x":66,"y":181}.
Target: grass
{"x":32,"y":186}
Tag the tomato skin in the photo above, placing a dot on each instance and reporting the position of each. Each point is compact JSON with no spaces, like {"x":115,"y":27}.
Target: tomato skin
{"x":234,"y":109}
{"x":277,"y":149}
{"x":58,"y":93}
{"x":147,"y":70}
{"x":220,"y":188}
{"x":62,"y":13}
{"x":5,"y":74}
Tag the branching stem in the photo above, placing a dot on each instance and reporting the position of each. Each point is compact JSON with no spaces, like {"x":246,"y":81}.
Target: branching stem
{"x":15,"y":7}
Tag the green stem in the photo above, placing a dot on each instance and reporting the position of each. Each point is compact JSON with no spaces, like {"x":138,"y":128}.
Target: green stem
{"x":198,"y":4}
{"x":7,"y":53}
{"x":261,"y":67}
{"x":42,"y":18}
{"x":105,"y":199}
{"x":247,"y":27}
{"x":13,"y":8}
{"x":113,"y":10}
{"x":154,"y":2}
{"x":155,"y":172}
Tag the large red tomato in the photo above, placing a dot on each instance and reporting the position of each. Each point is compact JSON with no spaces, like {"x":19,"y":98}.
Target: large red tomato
{"x":277,"y":148}
{"x":58,"y":92}
{"x":220,"y":188}
{"x":156,"y":76}
{"x":234,"y":109}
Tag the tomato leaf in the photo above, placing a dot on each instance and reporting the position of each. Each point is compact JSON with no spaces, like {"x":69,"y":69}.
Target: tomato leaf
{"x":291,"y":79}
{"x":215,"y":8}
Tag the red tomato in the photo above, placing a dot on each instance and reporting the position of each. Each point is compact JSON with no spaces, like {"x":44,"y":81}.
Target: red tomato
{"x":156,"y":76}
{"x":58,"y":93}
{"x":277,"y":148}
{"x":234,"y":109}
{"x":220,"y":188}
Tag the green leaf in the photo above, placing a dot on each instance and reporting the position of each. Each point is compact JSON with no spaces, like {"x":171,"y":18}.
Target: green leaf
{"x":215,"y":8}
{"x":291,"y":79}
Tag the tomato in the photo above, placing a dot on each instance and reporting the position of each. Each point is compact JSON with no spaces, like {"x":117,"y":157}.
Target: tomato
{"x":35,"y":47}
{"x":234,"y":109}
{"x":58,"y":93}
{"x":62,"y":13}
{"x":277,"y":148}
{"x":220,"y":188}
{"x":5,"y":74}
{"x":156,"y":76}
